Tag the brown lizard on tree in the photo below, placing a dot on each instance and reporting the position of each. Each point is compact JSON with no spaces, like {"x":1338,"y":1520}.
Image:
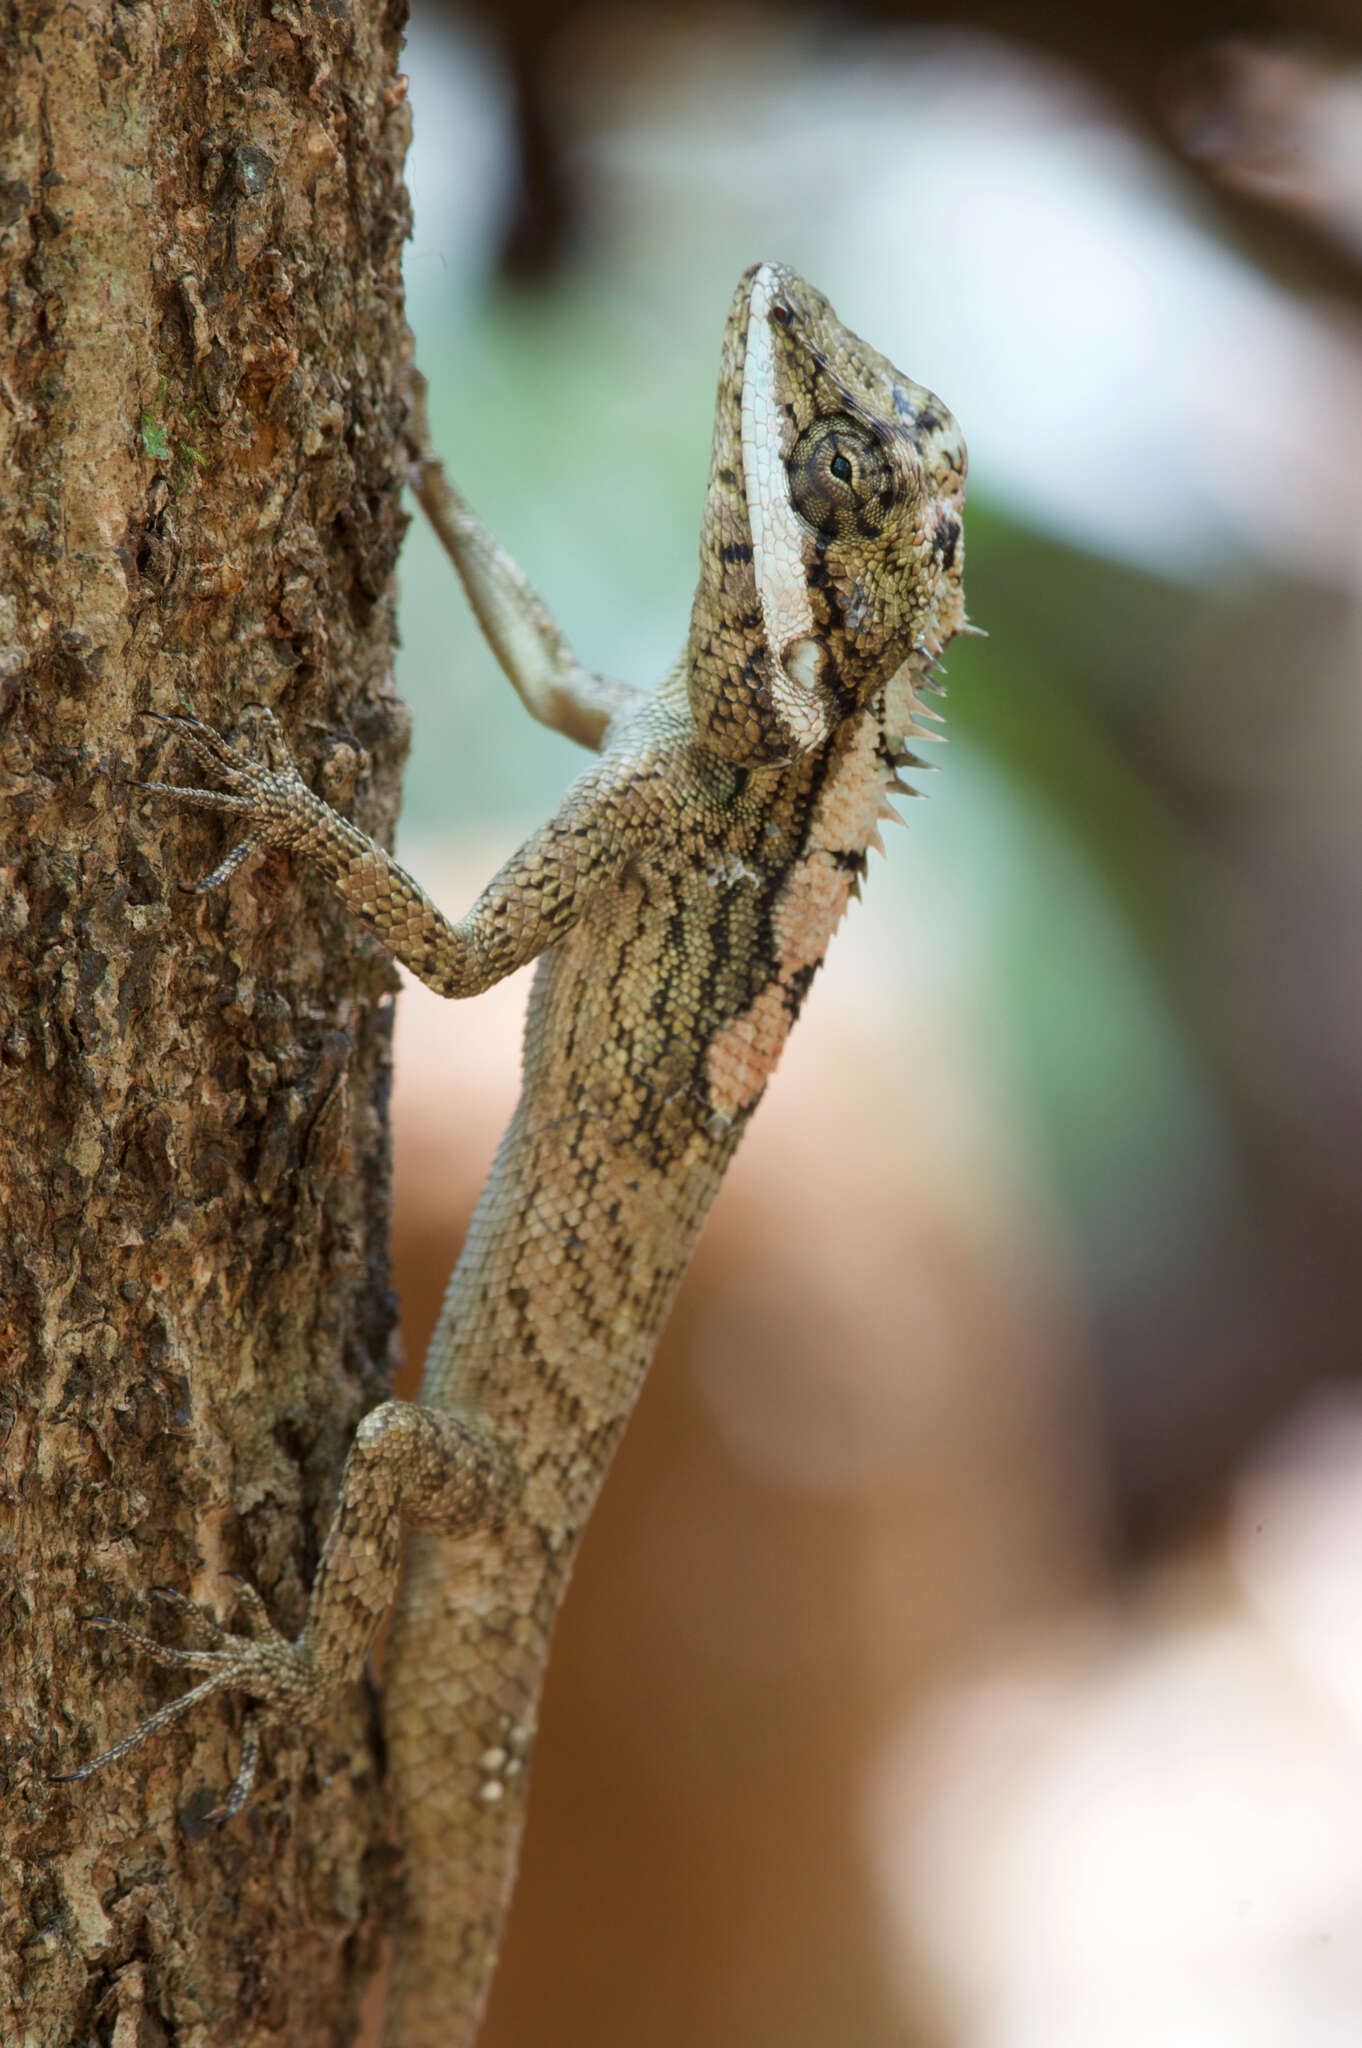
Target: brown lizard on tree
{"x":681,"y":900}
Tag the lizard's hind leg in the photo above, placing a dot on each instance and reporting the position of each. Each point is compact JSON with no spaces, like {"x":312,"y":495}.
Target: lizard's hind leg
{"x":406,"y":1464}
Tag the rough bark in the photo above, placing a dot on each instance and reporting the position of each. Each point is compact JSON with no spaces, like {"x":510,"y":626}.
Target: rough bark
{"x":201,"y":215}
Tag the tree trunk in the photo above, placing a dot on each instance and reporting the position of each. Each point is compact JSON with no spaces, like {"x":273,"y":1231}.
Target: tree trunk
{"x":201,"y":336}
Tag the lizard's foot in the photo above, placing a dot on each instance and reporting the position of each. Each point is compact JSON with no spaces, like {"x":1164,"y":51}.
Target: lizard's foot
{"x":276,"y":1673}
{"x":268,"y":795}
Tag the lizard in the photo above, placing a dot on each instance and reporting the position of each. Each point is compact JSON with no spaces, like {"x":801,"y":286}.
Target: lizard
{"x":679,"y":904}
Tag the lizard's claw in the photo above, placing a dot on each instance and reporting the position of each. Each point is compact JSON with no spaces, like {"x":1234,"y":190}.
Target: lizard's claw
{"x":243,"y":1784}
{"x":269,"y":795}
{"x":276,"y":1673}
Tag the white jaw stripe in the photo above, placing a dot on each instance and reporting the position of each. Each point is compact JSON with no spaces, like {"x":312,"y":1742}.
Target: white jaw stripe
{"x":778,"y":534}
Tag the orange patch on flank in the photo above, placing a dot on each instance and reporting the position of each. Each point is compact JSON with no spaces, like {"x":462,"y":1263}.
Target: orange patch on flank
{"x":809,"y":913}
{"x":846,"y":816}
{"x":743,"y":1056}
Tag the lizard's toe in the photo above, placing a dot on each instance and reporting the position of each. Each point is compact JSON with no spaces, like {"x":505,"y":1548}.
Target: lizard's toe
{"x":275,"y":1674}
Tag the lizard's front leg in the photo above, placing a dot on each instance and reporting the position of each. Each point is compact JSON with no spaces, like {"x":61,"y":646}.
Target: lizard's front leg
{"x":553,"y":685}
{"x":534,"y":900}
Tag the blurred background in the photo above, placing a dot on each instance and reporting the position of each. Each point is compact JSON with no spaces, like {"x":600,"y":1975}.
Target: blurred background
{"x":966,"y":1653}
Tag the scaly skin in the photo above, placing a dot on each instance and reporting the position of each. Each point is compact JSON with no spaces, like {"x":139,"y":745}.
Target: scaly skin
{"x":681,"y":900}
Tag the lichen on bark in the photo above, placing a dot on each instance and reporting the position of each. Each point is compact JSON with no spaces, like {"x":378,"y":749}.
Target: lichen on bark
{"x":201,"y":345}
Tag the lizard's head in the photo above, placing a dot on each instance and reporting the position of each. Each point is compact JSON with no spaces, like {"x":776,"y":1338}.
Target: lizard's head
{"x":831,"y":539}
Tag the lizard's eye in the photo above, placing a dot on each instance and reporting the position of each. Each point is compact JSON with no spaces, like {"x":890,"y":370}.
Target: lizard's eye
{"x":841,"y":479}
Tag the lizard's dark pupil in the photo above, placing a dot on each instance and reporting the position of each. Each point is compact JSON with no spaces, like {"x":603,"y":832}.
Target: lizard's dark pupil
{"x":836,"y":470}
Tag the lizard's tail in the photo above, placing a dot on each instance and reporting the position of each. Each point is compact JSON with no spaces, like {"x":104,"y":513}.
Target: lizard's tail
{"x":461,"y":1684}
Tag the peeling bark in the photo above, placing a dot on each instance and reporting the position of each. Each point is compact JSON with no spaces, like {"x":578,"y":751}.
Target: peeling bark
{"x":201,"y":336}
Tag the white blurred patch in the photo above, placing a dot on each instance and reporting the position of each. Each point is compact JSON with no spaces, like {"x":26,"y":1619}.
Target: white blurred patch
{"x":1150,"y":1830}
{"x":1296,"y":1545}
{"x":460,"y":168}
